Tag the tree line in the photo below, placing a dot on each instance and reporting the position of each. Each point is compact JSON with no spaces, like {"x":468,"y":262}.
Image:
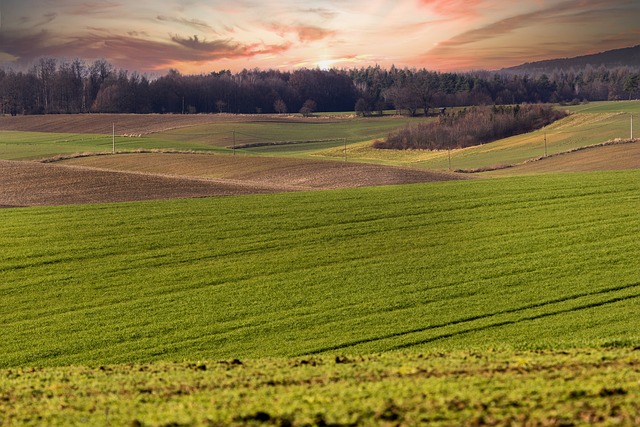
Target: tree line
{"x":53,"y":86}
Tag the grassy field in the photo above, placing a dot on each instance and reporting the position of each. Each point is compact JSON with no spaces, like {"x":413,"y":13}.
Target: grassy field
{"x":590,"y":124}
{"x":18,"y":145}
{"x":609,"y":157}
{"x":537,"y":262}
{"x":576,"y":387}
{"x":501,"y":301}
{"x":309,"y":135}
{"x":326,"y":136}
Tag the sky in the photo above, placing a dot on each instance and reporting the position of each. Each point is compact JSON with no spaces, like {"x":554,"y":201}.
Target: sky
{"x":199,"y":37}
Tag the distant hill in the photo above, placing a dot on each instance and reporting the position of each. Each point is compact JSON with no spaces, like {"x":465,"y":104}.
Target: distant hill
{"x":625,"y":57}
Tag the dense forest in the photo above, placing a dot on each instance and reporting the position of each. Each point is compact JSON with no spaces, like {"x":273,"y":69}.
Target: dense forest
{"x":53,"y":86}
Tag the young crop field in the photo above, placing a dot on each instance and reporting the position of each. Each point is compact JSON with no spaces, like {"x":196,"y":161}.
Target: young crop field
{"x":536,"y":262}
{"x":481,"y":295}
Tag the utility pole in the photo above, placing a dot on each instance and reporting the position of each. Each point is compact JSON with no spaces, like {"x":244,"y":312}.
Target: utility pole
{"x":545,"y":144}
{"x":631,"y":125}
{"x":113,"y":139}
{"x":345,"y":149}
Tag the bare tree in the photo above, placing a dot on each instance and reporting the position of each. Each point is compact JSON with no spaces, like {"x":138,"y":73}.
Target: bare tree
{"x":308,"y":107}
{"x":280,"y":106}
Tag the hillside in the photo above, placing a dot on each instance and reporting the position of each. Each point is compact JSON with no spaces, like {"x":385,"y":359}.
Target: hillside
{"x":625,"y":57}
{"x":526,"y":262}
{"x":598,"y":158}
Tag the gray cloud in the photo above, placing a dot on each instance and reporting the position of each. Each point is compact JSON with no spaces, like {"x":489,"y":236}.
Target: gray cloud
{"x":193,"y":23}
{"x":130,"y":51}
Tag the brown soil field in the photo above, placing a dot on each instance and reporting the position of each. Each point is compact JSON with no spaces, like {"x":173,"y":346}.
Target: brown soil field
{"x":37,"y":184}
{"x":154,"y":176}
{"x":601,"y":158}
{"x":286,"y":173}
{"x":103,"y":123}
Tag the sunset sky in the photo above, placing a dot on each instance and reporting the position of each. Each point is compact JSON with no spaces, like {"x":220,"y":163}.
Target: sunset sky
{"x":202,"y":36}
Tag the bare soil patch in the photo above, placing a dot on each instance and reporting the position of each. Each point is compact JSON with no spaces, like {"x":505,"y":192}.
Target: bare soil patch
{"x":37,"y":184}
{"x":282,"y":172}
{"x":154,"y":176}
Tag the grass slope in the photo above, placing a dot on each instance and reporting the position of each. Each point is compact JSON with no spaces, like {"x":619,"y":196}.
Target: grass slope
{"x":533,"y":262}
{"x":590,"y":124}
{"x":174,"y":132}
{"x":610,"y":157}
{"x":577,"y":387}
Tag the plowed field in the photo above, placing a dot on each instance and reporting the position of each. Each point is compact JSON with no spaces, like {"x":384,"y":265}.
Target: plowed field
{"x":132,"y":177}
{"x":283,"y":172}
{"x":35,"y":184}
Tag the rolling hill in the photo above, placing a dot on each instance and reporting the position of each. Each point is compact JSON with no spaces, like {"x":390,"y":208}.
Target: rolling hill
{"x":625,"y":57}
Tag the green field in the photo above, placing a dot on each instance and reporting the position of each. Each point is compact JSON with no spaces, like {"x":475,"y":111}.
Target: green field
{"x":538,"y":262}
{"x":575,"y":387}
{"x":309,"y":136}
{"x":500,"y":301}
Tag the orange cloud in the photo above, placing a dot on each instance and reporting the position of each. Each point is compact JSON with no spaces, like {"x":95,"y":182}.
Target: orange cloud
{"x":305,"y":33}
{"x":454,"y":8}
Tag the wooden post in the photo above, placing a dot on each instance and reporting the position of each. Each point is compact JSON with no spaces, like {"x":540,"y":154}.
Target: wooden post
{"x":345,"y":149}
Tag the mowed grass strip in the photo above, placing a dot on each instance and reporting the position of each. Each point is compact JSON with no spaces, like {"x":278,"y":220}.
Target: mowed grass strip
{"x":468,"y":388}
{"x":529,"y":262}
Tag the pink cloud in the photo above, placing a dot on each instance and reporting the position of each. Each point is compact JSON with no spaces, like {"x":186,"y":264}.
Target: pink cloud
{"x":454,"y":8}
{"x":305,"y":33}
{"x":588,"y":13}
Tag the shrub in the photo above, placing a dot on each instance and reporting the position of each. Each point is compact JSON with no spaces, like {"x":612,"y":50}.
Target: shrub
{"x":473,"y":126}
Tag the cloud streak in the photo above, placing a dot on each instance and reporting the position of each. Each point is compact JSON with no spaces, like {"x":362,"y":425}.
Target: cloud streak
{"x":573,"y":12}
{"x":304,"y":33}
{"x":192,"y":23}
{"x":132,"y":51}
